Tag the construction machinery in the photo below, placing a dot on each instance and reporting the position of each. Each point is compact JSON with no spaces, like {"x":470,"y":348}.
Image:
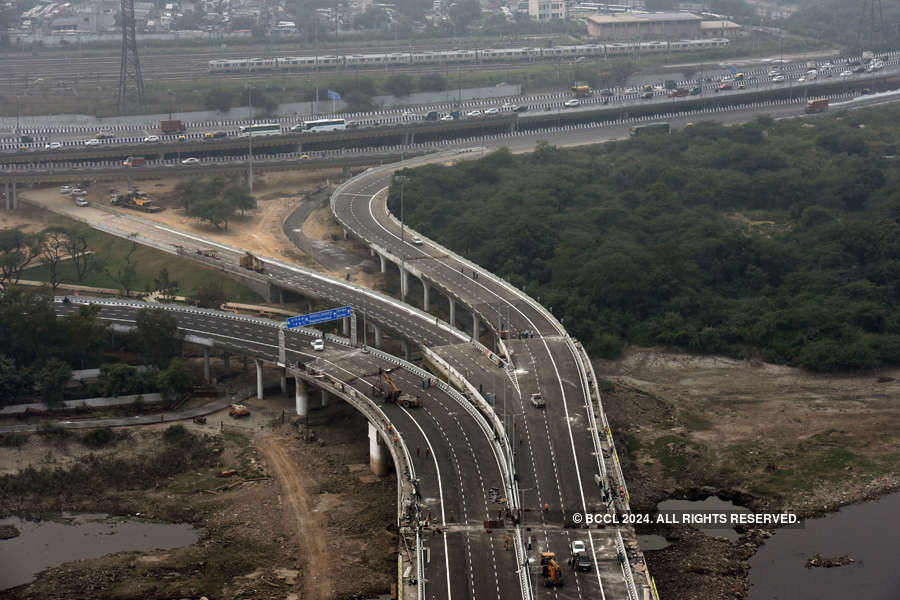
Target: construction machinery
{"x":238,"y":411}
{"x":208,"y":252}
{"x":385,"y":389}
{"x":552,"y":572}
{"x":135,"y":200}
{"x":248,"y":261}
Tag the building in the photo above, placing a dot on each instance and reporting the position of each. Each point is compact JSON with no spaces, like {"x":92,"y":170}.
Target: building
{"x":547,"y":10}
{"x":720,"y":29}
{"x":646,"y":26}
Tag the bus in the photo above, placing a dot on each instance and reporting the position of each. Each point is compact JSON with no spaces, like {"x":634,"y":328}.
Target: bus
{"x":651,"y":128}
{"x":261,"y":129}
{"x":324,"y":125}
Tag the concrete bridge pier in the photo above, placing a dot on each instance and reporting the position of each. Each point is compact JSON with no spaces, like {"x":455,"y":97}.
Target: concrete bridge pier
{"x":405,"y":345}
{"x":426,"y":293}
{"x":377,"y":455}
{"x":377,"y":335}
{"x":11,"y":202}
{"x":274,"y":293}
{"x":345,"y":326}
{"x":245,"y":362}
{"x":226,"y":358}
{"x":404,"y":283}
{"x":452,"y":310}
{"x":206,"y":364}
{"x":324,"y":398}
{"x":476,"y":327}
{"x":283,"y":380}
{"x":382,"y":261}
{"x":259,"y":379}
{"x":346,"y":235}
{"x":301,"y":397}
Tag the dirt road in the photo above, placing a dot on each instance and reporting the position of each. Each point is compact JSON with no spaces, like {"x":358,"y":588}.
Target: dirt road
{"x":307,"y":524}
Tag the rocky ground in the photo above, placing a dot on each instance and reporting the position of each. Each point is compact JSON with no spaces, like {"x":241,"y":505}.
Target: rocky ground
{"x":764,"y":436}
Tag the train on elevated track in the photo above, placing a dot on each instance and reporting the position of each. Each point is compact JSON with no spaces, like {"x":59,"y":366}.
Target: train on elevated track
{"x":575,"y":53}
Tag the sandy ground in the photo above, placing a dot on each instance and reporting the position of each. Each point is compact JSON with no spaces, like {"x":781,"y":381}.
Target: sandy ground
{"x":27,"y":217}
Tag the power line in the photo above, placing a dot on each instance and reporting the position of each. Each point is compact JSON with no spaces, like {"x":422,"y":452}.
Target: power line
{"x":131,"y":82}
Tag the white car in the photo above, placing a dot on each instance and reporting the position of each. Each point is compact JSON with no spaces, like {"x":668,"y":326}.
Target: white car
{"x":492,"y":111}
{"x":508,"y":106}
{"x":578,"y":548}
{"x":774,"y":72}
{"x":417,"y":241}
{"x":801,"y":79}
{"x":778,"y":79}
{"x":66,"y":189}
{"x":296,"y":128}
{"x":92,"y":142}
{"x":447,"y":118}
{"x":318,"y":344}
{"x":847,"y":73}
{"x":629,"y":90}
{"x":474,"y":113}
{"x":79,"y":192}
{"x":52,"y":146}
{"x":151,"y":139}
{"x":81,"y":202}
{"x":191,"y":161}
{"x":572,"y":103}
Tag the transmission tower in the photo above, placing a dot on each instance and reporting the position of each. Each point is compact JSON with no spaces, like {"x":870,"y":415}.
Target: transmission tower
{"x":871,"y":25}
{"x":131,"y":82}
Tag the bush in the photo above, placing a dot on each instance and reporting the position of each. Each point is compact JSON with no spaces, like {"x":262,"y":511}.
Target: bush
{"x":98,"y":438}
{"x":13,"y":440}
{"x":176,"y":434}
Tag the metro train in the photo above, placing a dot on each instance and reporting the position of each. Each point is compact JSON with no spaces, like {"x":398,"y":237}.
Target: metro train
{"x":299,"y":63}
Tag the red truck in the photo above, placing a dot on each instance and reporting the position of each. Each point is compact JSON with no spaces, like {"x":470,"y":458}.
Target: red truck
{"x":817,"y":106}
{"x":172,"y":126}
{"x":679,"y":92}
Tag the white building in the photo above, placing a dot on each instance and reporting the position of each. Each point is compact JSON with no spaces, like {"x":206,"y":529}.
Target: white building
{"x":547,"y":10}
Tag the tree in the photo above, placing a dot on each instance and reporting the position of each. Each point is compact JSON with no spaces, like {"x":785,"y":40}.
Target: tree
{"x":52,"y":380}
{"x":77,"y":248}
{"x":91,"y":333}
{"x":464,"y":12}
{"x":126,"y":274}
{"x":237,"y":197}
{"x":118,"y":379}
{"x":357,"y":101}
{"x":176,"y":380}
{"x":17,"y":250}
{"x":399,"y":85}
{"x":10,"y":380}
{"x":218,"y":99}
{"x":162,"y":283}
{"x":211,"y":295}
{"x":433,"y":82}
{"x":375,"y":17}
{"x":214,"y":211}
{"x":156,"y":336}
{"x":53,"y":251}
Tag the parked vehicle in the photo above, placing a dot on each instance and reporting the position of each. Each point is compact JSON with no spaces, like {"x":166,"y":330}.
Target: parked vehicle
{"x":248,"y":261}
{"x":134,"y":161}
{"x":537,"y":401}
{"x":318,"y":344}
{"x":151,"y":139}
{"x":817,"y":106}
{"x":238,"y":411}
{"x":169,"y":127}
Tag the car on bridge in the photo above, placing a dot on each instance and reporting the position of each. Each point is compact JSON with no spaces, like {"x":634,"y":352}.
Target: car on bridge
{"x":572,"y":103}
{"x":474,"y":113}
{"x":537,"y":401}
{"x":104,"y":135}
{"x":151,"y":139}
{"x":52,"y":146}
{"x":647,"y":96}
{"x":508,"y":106}
{"x":578,"y":548}
{"x":417,"y":241}
{"x":191,"y":161}
{"x":92,"y":142}
{"x":318,"y":344}
{"x":583,"y":563}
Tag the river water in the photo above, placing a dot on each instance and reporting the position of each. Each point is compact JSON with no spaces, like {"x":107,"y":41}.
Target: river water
{"x":868,"y":532}
{"x":46,"y":544}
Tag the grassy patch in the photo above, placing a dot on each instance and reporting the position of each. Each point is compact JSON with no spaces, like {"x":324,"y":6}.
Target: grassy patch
{"x":238,"y":439}
{"x":677,"y":454}
{"x":111,"y":251}
{"x":13,"y":440}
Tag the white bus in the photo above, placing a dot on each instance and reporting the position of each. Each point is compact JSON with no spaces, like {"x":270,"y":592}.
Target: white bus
{"x":325,"y":125}
{"x":261,"y":129}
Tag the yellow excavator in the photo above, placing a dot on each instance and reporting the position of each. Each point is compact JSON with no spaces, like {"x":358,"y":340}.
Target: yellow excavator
{"x":553,"y":575}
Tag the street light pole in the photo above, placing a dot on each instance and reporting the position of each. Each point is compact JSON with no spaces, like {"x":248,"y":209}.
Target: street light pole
{"x":250,"y":137}
{"x":402,"y":179}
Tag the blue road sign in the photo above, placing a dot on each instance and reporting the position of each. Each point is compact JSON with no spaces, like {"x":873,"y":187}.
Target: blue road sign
{"x":733,"y":70}
{"x":322,"y":316}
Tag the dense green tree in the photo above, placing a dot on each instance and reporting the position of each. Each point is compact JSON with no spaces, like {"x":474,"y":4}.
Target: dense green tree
{"x":167,"y":288}
{"x":211,"y":295}
{"x":399,"y":85}
{"x":10,"y":380}
{"x":118,"y":379}
{"x":156,"y":336}
{"x":52,"y":380}
{"x":175,"y":381}
{"x":91,"y":334}
{"x":17,"y":249}
{"x":218,"y":99}
{"x":432,"y":82}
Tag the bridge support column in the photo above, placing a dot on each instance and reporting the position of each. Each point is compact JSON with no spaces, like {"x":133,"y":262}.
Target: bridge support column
{"x":259,"y":379}
{"x":377,"y":458}
{"x":14,"y":201}
{"x":346,"y":235}
{"x":405,"y":345}
{"x":383,"y":263}
{"x":476,"y":327}
{"x":426,"y":292}
{"x":324,"y":398}
{"x":404,"y":283}
{"x":226,"y":358}
{"x":345,"y":326}
{"x":377,"y":336}
{"x":283,"y":380}
{"x":354,"y":338}
{"x":452,"y":310}
{"x":245,"y":363}
{"x":274,"y":293}
{"x":205,"y":364}
{"x":301,"y":397}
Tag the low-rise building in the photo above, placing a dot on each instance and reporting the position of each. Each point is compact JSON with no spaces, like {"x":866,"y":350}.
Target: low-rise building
{"x":647,"y":26}
{"x":547,"y":10}
{"x":720,"y":29}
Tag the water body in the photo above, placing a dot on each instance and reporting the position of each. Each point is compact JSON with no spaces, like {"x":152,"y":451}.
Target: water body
{"x":651,"y":541}
{"x":712,"y":504}
{"x":50,"y":543}
{"x":868,"y":532}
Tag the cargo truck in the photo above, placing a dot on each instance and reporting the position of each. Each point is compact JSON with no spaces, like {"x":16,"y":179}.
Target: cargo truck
{"x":169,"y":127}
{"x":248,"y":261}
{"x":817,"y":106}
{"x":581,"y":90}
{"x":134,"y":161}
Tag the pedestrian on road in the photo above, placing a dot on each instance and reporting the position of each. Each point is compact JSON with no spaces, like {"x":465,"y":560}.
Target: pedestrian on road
{"x":427,"y":451}
{"x":418,"y":450}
